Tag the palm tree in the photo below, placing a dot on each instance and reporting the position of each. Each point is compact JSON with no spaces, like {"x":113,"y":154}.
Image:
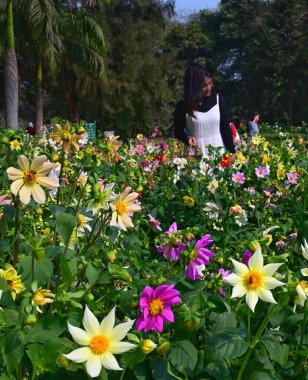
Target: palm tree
{"x":41,"y":17}
{"x":10,"y":71}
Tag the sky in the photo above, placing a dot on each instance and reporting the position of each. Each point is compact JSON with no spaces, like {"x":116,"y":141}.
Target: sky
{"x":191,"y":6}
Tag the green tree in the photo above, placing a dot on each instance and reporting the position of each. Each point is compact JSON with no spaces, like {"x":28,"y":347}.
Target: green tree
{"x":10,"y":71}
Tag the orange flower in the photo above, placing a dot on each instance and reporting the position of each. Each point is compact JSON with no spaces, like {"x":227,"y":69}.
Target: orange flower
{"x":110,"y":148}
{"x":65,"y":138}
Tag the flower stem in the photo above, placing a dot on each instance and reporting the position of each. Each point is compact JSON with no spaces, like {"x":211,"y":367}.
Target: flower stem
{"x":16,"y":232}
{"x":60,"y":177}
{"x":255,"y":341}
{"x":248,"y":325}
{"x":304,"y":325}
{"x":123,"y":373}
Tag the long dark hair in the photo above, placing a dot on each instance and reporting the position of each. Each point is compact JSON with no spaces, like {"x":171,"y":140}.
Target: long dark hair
{"x":193,"y":86}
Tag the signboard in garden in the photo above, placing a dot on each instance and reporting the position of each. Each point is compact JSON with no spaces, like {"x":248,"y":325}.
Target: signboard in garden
{"x":91,"y":131}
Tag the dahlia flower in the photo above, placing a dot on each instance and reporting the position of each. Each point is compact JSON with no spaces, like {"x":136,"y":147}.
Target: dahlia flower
{"x":28,"y":180}
{"x":173,"y":249}
{"x":155,"y":306}
{"x":13,"y":281}
{"x":199,"y":256}
{"x":254,"y":280}
{"x":100,"y":341}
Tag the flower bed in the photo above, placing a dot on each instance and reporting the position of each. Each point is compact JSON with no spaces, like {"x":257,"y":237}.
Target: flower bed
{"x":132,"y":261}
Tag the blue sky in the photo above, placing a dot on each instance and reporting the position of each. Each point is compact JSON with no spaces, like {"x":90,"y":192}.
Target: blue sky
{"x":194,"y":5}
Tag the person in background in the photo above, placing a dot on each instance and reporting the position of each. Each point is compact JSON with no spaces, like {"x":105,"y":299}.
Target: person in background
{"x":201,"y":118}
{"x":235,"y":135}
{"x":253,"y":127}
{"x":30,"y":129}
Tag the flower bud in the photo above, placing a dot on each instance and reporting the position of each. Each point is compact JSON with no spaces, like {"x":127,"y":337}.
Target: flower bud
{"x":39,"y":254}
{"x":253,"y":245}
{"x":111,"y":255}
{"x":147,"y":346}
{"x":62,"y":361}
{"x":163,"y":347}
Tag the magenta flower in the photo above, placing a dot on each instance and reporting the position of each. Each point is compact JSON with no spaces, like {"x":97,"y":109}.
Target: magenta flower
{"x":224,"y":272}
{"x":4,"y":201}
{"x":155,"y":306}
{"x":173,"y":249}
{"x":261,"y":172}
{"x":139,"y":149}
{"x":199,"y":256}
{"x":238,"y":178}
{"x":292,"y":178}
{"x":246,"y":257}
{"x":155,"y":223}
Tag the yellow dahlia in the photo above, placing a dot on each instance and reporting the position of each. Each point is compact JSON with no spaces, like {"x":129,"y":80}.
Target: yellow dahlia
{"x":253,"y":280}
{"x":29,"y":179}
{"x":13,"y":281}
{"x":42,"y":297}
{"x":100,"y":342}
{"x":122,"y":206}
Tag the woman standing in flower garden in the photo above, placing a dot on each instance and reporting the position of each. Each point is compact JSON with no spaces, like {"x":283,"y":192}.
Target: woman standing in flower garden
{"x":253,"y":128}
{"x":202,"y":117}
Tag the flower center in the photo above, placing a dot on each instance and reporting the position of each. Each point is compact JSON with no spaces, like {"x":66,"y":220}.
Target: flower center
{"x":303,"y":285}
{"x":10,"y":284}
{"x":81,"y":220}
{"x":99,"y":344}
{"x":39,"y":298}
{"x":253,"y":280}
{"x":121,"y":208}
{"x":156,"y":307}
{"x":30,"y":176}
{"x":66,"y":136}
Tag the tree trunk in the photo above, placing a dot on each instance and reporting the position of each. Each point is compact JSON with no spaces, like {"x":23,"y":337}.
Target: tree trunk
{"x":71,"y":100}
{"x":10,"y":73}
{"x":39,"y":123}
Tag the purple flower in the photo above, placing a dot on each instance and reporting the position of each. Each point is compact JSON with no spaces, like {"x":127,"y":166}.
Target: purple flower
{"x":4,"y":201}
{"x":156,"y":224}
{"x":155,"y":306}
{"x":224,"y":272}
{"x":292,"y":178}
{"x":199,"y":256}
{"x":246,"y":257}
{"x":261,"y":172}
{"x":173,"y":250}
{"x":238,"y":178}
{"x":163,"y":146}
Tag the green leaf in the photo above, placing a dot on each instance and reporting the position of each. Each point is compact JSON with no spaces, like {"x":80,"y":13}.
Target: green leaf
{"x":66,"y":272}
{"x":277,"y":351}
{"x":43,"y":356}
{"x":260,"y":375}
{"x":42,"y":271}
{"x":92,"y":274}
{"x":9,"y":212}
{"x":65,"y":224}
{"x":6,"y":297}
{"x":227,"y":346}
{"x":183,"y":354}
{"x":47,"y":329}
{"x":222,"y":322}
{"x":13,"y":350}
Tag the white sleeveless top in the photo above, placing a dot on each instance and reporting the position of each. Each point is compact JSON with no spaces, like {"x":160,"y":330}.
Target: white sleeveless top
{"x":205,"y":127}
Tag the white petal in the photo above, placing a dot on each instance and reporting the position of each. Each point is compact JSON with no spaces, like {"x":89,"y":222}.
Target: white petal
{"x":301,"y":293}
{"x":80,"y":355}
{"x":23,"y":162}
{"x":107,"y":323}
{"x":46,"y":168}
{"x":121,"y":223}
{"x":119,"y":347}
{"x":256,"y":260}
{"x":50,"y":183}
{"x":38,"y":193}
{"x":37,"y":163}
{"x":16,"y":185}
{"x":240,"y":268}
{"x":270,"y":269}
{"x":14,"y":173}
{"x":25,"y":193}
{"x":252,"y":299}
{"x":271,"y":282}
{"x":90,"y":322}
{"x":120,"y":331}
{"x":94,"y":365}
{"x":304,"y":271}
{"x":233,"y":279}
{"x":126,"y":220}
{"x":80,"y":336}
{"x":109,"y":361}
{"x":266,"y":295}
{"x":238,"y":291}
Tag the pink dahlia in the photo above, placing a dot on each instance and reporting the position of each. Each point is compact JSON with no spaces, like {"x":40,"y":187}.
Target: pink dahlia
{"x":199,"y":256}
{"x":155,"y":306}
{"x":173,"y":249}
